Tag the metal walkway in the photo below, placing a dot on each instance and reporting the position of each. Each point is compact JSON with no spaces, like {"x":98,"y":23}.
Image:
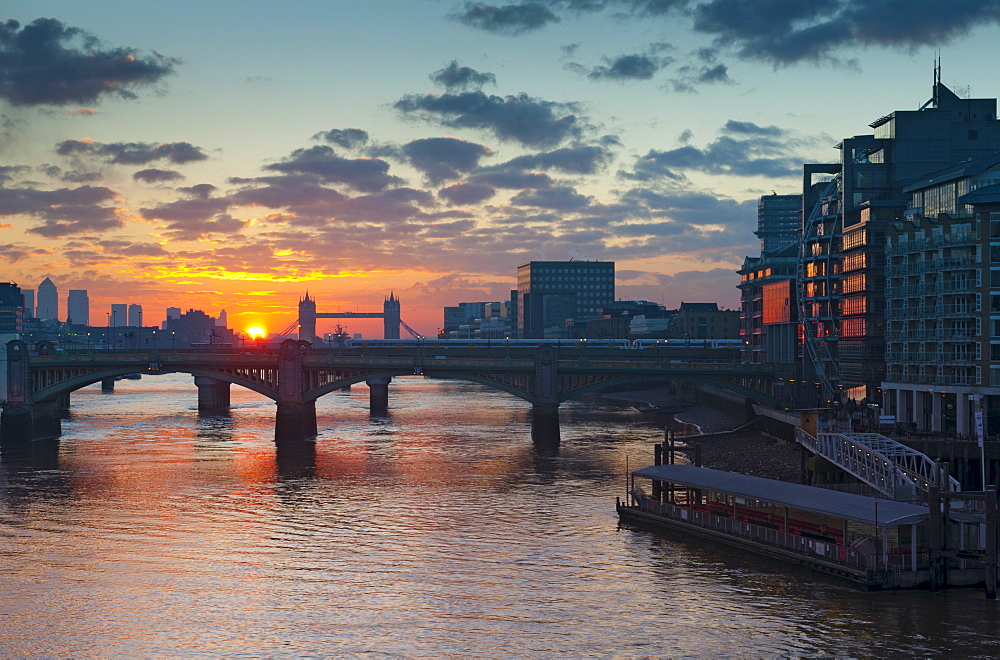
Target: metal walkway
{"x":878,"y":461}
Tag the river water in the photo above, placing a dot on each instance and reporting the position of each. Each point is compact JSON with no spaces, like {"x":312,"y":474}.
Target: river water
{"x":441,"y":530}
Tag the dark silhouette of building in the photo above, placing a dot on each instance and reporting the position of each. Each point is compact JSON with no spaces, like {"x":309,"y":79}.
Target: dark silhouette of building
{"x":552,"y":293}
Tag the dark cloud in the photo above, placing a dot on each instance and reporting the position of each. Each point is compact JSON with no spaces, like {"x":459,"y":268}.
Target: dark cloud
{"x":523,"y":119}
{"x":9,"y":172}
{"x":133,"y":153}
{"x":49,"y":63}
{"x":444,"y":158}
{"x":132,"y":249}
{"x":575,"y":160}
{"x":348,"y":138}
{"x":199,"y":191}
{"x":191,"y":229}
{"x":461,"y":78}
{"x":690,"y":77}
{"x":467,"y":193}
{"x":562,"y":198}
{"x":790,"y":31}
{"x":186,"y":211}
{"x":65,"y":211}
{"x":511,"y":179}
{"x":695,"y":208}
{"x":157,"y":176}
{"x":626,"y":67}
{"x":507,"y":19}
{"x":744,"y":149}
{"x":364,"y":174}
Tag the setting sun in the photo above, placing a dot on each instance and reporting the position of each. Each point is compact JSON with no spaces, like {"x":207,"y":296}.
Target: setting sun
{"x":256,"y":332}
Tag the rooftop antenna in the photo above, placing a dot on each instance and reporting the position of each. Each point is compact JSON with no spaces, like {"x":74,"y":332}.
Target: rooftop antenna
{"x":937,"y":76}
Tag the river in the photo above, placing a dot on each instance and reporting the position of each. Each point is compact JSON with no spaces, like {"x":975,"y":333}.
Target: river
{"x":441,"y":530}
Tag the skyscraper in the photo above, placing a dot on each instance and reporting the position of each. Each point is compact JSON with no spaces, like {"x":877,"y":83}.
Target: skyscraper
{"x":134,"y":316}
{"x":78,"y":307}
{"x":48,"y":300}
{"x":119,"y":315}
{"x":29,"y":303}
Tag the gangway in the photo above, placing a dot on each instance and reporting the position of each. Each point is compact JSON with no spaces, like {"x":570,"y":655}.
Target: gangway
{"x":879,"y":461}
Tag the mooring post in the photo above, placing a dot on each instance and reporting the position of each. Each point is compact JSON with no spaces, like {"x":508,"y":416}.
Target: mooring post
{"x":990,"y":560}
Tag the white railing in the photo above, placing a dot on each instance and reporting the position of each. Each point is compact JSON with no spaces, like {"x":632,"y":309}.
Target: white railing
{"x":878,"y":461}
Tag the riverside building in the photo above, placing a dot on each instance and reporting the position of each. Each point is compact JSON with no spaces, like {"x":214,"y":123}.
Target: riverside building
{"x":943,"y":302}
{"x":846,"y":211}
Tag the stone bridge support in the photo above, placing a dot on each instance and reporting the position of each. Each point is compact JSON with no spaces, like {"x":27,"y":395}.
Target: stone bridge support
{"x":23,"y":419}
{"x":295,"y":418}
{"x":378,"y":396}
{"x":213,"y":394}
{"x":545,"y":406}
{"x":108,"y":385}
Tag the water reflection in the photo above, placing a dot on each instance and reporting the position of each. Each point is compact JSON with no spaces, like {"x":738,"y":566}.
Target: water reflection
{"x":443,"y":529}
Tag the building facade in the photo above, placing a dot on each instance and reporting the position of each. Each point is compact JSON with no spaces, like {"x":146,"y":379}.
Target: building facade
{"x":11,"y":310}
{"x":551,"y":294}
{"x":943,"y":302}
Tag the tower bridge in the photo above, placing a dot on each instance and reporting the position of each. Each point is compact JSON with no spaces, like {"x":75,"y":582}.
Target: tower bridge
{"x":390,"y":315}
{"x":295,"y":374}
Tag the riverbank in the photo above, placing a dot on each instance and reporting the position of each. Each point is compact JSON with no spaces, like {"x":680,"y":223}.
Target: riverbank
{"x":726,"y":442}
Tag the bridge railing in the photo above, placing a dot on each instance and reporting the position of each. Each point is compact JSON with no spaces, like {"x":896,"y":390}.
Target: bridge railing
{"x":879,"y":461}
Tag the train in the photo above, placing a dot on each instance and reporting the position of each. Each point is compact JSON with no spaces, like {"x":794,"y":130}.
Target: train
{"x":624,"y":344}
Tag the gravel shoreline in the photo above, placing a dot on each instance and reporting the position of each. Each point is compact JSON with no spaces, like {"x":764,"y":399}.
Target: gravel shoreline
{"x":726,"y":443}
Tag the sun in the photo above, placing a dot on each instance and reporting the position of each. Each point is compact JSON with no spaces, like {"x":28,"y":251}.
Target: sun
{"x":256,"y":332}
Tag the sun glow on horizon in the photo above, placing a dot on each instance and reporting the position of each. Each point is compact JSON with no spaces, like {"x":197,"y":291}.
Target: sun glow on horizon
{"x":256,"y":332}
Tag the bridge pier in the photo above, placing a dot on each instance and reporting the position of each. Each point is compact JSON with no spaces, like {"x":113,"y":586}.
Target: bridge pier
{"x":378,"y":396}
{"x":33,"y":421}
{"x":213,"y":394}
{"x":545,"y":424}
{"x":108,"y":385}
{"x":294,"y":422}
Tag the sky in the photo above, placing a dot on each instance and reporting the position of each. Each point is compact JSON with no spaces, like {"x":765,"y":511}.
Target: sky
{"x":235,"y":155}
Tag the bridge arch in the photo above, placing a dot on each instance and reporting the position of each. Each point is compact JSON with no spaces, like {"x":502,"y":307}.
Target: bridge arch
{"x":736,"y":388}
{"x":54,"y":392}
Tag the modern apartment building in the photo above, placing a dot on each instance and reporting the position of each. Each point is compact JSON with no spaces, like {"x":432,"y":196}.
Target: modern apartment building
{"x":847,"y":207}
{"x":550,"y":293}
{"x":943,"y":301}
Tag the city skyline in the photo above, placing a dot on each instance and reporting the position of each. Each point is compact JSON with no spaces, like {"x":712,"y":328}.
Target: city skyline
{"x":430,"y":148}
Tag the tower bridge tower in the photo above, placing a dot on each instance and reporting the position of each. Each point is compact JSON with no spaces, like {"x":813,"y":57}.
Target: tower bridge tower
{"x":390,"y":312}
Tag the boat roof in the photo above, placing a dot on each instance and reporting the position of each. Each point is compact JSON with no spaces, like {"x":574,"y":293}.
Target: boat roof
{"x":858,"y":508}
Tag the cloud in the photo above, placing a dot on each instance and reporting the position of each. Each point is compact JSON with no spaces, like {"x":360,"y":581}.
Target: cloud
{"x":791,"y":31}
{"x":511,"y":19}
{"x":157,"y":176}
{"x":561,"y":198}
{"x":64,"y":211}
{"x":626,"y":67}
{"x":444,"y":158}
{"x":348,"y":138}
{"x":461,"y":78}
{"x":133,"y":153}
{"x":529,"y":121}
{"x":744,"y":149}
{"x":49,"y":63}
{"x":364,"y":174}
{"x":574,"y":160}
{"x":691,"y":76}
{"x":467,"y":193}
